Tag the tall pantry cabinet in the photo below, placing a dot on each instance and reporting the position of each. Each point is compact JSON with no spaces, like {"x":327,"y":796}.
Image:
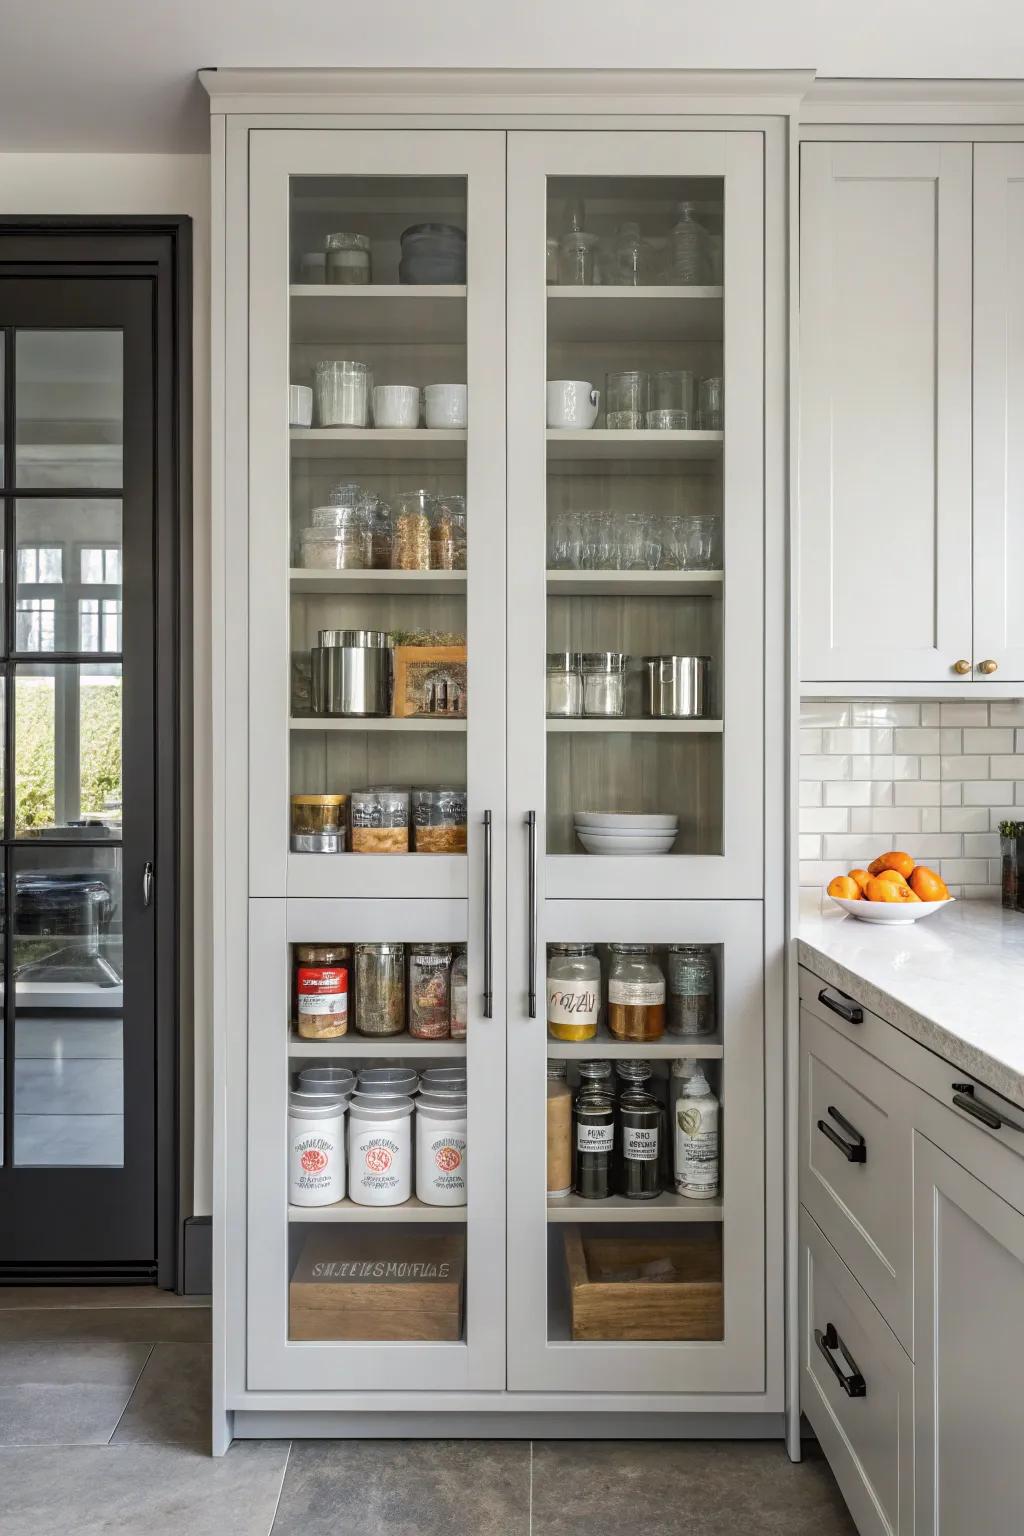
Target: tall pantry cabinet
{"x":499,"y":1337}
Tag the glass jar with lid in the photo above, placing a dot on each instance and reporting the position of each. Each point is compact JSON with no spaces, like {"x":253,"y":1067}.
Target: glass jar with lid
{"x":337,"y":540}
{"x":576,"y":254}
{"x":342,"y":390}
{"x":691,"y":990}
{"x":410,"y":530}
{"x":380,"y":820}
{"x":320,"y":990}
{"x":318,"y":823}
{"x":380,"y":989}
{"x":459,"y":1016}
{"x":438,"y":820}
{"x":604,"y":683}
{"x":430,"y":991}
{"x":573,"y":991}
{"x":636,"y":993}
{"x":448,"y":534}
{"x":379,"y":519}
{"x":593,"y":1133}
{"x":564,"y":685}
{"x":348,"y":258}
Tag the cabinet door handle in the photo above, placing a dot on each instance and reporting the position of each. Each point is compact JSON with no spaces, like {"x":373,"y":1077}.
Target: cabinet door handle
{"x":853,"y":1384}
{"x":488,"y":922}
{"x":839,"y":1003}
{"x":962,"y":667}
{"x":855,"y":1150}
{"x":963,"y":1098}
{"x":531,"y":833}
{"x":988,"y":667}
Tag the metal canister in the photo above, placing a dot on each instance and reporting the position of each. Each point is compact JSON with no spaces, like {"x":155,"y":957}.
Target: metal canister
{"x":677,"y":687}
{"x":351,"y":672}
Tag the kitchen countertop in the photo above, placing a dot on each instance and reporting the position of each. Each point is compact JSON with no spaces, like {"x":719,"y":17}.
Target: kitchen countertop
{"x":954,"y":982}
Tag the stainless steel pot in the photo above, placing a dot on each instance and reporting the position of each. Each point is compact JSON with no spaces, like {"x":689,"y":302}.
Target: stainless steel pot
{"x":351,"y":672}
{"x":677,"y":687}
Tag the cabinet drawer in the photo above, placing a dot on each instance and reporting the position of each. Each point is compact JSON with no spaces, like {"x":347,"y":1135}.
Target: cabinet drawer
{"x":856,"y":1165}
{"x":868,"y":1438}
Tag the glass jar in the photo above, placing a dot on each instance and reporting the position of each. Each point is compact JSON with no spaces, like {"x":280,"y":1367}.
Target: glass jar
{"x":379,"y":519}
{"x":593,"y":1140}
{"x":633,"y":258}
{"x":318,"y":823}
{"x":604,"y":678}
{"x":341,"y":394}
{"x":438,"y":820}
{"x":348,"y":258}
{"x":559,"y":1128}
{"x":691,"y":990}
{"x":410,"y":531}
{"x":380,"y":989}
{"x":551,"y":259}
{"x":573,"y":991}
{"x":448,"y":534}
{"x":689,"y":246}
{"x":430,"y":968}
{"x":459,"y":1015}
{"x":673,"y":399}
{"x":636,"y":993}
{"x":711,"y":408}
{"x":576,"y":259}
{"x":699,"y":533}
{"x":564,"y":685}
{"x":338,"y":540}
{"x":380,"y":820}
{"x":320,"y":990}
{"x":640,"y":1130}
{"x":626,"y":401}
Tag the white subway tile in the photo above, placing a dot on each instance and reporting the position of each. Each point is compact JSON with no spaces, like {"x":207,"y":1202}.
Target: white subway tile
{"x":983,"y":793}
{"x":860,"y":818}
{"x":810,"y":794}
{"x":1007,"y":711}
{"x":972,"y":818}
{"x":904,"y":767}
{"x":930,"y":714}
{"x":931,"y":818}
{"x":931,"y":767}
{"x":964,"y":714}
{"x":864,"y":767}
{"x":937,"y":845}
{"x":964,"y":767}
{"x":917,"y":793}
{"x":958,"y":890}
{"x":824,"y":712}
{"x":884,"y":712}
{"x":995,"y":872}
{"x":951,"y":793}
{"x":847,"y":793}
{"x":1019,"y":796}
{"x":810,"y":741}
{"x":814,"y":873}
{"x":824,"y":767}
{"x":964,"y":871}
{"x":1006,"y":767}
{"x":810,"y":845}
{"x":1019,"y":743}
{"x":862,"y":740}
{"x":837,"y":820}
{"x":915,"y":739}
{"x":998,"y":813}
{"x":951,"y":739}
{"x":987,"y":739}
{"x":981,"y":845}
{"x":851,"y":847}
{"x":903,"y":821}
{"x":978,"y":892}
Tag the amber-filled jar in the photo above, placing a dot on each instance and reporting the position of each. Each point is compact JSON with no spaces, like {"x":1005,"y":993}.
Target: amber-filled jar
{"x":320,"y":990}
{"x":636,"y":993}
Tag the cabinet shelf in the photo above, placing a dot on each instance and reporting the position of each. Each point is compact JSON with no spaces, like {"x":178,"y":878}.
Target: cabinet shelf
{"x":667,"y":1207}
{"x":634,"y":583}
{"x":423,"y":724}
{"x":641,"y":726}
{"x":604,"y":1046}
{"x":366,"y":1045}
{"x":599,"y":443}
{"x":378,"y":312}
{"x":382,"y":442}
{"x":365,"y":876}
{"x":635,"y":314}
{"x":382,"y":583}
{"x":348,"y":1210}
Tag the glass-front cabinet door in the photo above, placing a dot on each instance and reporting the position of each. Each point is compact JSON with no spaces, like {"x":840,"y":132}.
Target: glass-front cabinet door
{"x":377,"y":760}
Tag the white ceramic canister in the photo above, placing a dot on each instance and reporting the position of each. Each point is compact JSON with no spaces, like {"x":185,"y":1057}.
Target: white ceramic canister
{"x":441,"y":1149}
{"x":316,"y":1149}
{"x":446,"y":405}
{"x":300,"y":405}
{"x":572,"y":403}
{"x":380,"y":1150}
{"x":396,"y":405}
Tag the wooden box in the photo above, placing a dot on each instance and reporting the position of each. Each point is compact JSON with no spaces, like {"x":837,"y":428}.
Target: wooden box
{"x":685,"y":1304}
{"x":362,"y":1282}
{"x":429,"y":680}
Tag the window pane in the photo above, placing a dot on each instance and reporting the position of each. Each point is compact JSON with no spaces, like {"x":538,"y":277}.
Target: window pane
{"x":69,"y":567}
{"x":69,"y":406}
{"x":67,"y":749}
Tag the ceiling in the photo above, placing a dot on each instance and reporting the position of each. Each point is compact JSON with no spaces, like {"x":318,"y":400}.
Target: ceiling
{"x":121,"y":74}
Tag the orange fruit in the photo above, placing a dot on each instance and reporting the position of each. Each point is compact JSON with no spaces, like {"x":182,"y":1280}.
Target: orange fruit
{"x":927,"y":885}
{"x":902,"y":863}
{"x":893,"y":875}
{"x":890,"y":890}
{"x":862,"y":877}
{"x":845,"y":888}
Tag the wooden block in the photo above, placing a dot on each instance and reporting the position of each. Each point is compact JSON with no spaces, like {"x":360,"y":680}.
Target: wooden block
{"x":420,"y":671}
{"x":362,"y":1282}
{"x":603,"y":1308}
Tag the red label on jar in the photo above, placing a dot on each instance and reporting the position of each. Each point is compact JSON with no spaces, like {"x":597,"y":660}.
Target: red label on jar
{"x":315,"y":980}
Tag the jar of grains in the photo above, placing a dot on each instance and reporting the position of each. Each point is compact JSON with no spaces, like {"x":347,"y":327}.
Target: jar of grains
{"x":559,"y":1126}
{"x":429,"y":991}
{"x":691,"y":990}
{"x":459,"y":1014}
{"x":410,"y":531}
{"x":438,"y":820}
{"x":380,"y":989}
{"x":348,"y":258}
{"x":380,"y":821}
{"x":448,"y":534}
{"x":379,"y":517}
{"x":573,"y":991}
{"x":321,"y":990}
{"x":604,"y":679}
{"x":636,"y":993}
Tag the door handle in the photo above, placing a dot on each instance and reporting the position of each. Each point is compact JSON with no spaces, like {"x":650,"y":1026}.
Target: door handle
{"x":963,"y":1098}
{"x":531,"y":833}
{"x":839,"y":1003}
{"x":488,"y":922}
{"x":855,"y":1151}
{"x":853,"y":1384}
{"x":147,"y":883}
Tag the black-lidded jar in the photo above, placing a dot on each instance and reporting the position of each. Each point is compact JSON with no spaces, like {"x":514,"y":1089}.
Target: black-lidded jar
{"x":593,"y":1132}
{"x":639,"y":1161}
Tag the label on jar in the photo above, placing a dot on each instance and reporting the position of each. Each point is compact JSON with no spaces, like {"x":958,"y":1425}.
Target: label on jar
{"x":691,"y":981}
{"x":576,"y":1001}
{"x":322,"y":989}
{"x":636,"y":994}
{"x":594,"y":1138}
{"x":316,"y":1163}
{"x":696,"y":1148}
{"x":640,"y":1145}
{"x":441,"y":1168}
{"x":379,"y":1167}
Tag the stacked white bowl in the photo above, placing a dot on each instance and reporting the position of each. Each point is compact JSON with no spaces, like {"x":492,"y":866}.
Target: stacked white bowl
{"x":608,"y":832}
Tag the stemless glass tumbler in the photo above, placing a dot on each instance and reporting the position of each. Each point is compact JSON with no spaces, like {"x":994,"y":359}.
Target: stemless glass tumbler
{"x":671,"y":408}
{"x":626,"y":397}
{"x":712,"y":405}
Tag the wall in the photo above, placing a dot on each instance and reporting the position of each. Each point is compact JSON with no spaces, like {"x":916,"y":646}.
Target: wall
{"x":932,"y":779}
{"x":162,"y":184}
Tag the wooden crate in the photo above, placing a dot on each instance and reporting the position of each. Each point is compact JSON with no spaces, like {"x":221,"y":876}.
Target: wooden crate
{"x":418,"y":669}
{"x":366,"y":1283}
{"x":686,"y":1308}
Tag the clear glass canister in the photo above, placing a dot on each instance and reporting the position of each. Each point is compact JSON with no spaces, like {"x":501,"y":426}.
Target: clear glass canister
{"x":573,"y":991}
{"x":691,"y":990}
{"x":604,"y":680}
{"x":379,"y":519}
{"x":674,"y":390}
{"x":559,"y":1128}
{"x":439,"y":820}
{"x":338,"y":540}
{"x":430,"y":967}
{"x":626,"y":401}
{"x":564,"y":685}
{"x":636,"y":993}
{"x":448,"y":534}
{"x":318,"y":823}
{"x":380,"y":989}
{"x":410,"y":531}
{"x":348,"y":258}
{"x":341,"y":394}
{"x":380,"y":820}
{"x":459,"y":1015}
{"x":320,"y":992}
{"x":711,"y":410}
{"x":576,"y":259}
{"x":689,"y":246}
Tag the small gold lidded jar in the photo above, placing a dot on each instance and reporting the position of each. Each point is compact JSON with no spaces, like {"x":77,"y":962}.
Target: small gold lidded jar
{"x":318,"y":823}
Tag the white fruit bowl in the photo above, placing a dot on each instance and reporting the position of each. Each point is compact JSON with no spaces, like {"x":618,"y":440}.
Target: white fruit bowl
{"x":890,"y":911}
{"x":639,"y":842}
{"x":609,"y":821}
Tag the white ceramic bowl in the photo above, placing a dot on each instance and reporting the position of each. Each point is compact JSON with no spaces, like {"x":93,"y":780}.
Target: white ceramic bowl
{"x":890,"y":911}
{"x":607,"y":821}
{"x":597,"y":842}
{"x":647,"y":833}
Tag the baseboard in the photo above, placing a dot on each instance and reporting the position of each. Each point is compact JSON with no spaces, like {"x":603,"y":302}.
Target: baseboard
{"x":254,"y":1424}
{"x":197,"y":1249}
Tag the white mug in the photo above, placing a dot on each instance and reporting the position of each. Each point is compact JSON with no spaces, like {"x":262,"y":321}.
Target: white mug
{"x":300,"y":405}
{"x":446,"y":405}
{"x":396,"y":405}
{"x":572,"y":403}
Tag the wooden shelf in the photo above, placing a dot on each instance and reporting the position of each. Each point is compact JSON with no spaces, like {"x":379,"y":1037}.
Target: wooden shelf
{"x":382,"y":583}
{"x":347,"y":1210}
{"x":599,"y":443}
{"x":382,"y":443}
{"x":403,"y":1046}
{"x":635,"y":583}
{"x":659,"y":313}
{"x":667,"y":1207}
{"x":639,"y":727}
{"x":605,"y":1047}
{"x":421,"y":724}
{"x":389,"y":313}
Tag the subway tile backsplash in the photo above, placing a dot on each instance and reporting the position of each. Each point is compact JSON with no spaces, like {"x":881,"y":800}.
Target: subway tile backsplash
{"x":933,"y":778}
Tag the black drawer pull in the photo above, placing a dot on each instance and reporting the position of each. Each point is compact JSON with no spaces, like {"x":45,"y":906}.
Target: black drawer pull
{"x":855,"y":1151}
{"x":963,"y":1098}
{"x":853,"y":1384}
{"x":839,"y":1003}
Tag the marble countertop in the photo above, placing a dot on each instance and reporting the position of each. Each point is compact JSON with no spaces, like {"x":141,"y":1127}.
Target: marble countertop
{"x":954,"y":982}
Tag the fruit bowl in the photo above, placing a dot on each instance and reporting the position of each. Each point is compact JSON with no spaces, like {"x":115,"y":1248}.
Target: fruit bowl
{"x":890,"y":911}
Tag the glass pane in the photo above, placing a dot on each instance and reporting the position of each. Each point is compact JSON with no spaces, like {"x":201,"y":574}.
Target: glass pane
{"x":69,"y":1036}
{"x":69,"y":575}
{"x":67,"y":749}
{"x":69,"y":407}
{"x":3,"y":387}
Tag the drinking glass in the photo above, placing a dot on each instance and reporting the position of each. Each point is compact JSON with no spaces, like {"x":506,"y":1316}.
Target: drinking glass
{"x":630,"y":547}
{"x":698,"y":544}
{"x":604,"y":542}
{"x":671,"y":554}
{"x":626,"y":401}
{"x":564,"y":541}
{"x":673,"y":389}
{"x":712,"y":405}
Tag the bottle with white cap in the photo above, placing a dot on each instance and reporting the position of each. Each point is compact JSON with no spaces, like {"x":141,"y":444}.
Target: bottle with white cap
{"x":696,"y":1114}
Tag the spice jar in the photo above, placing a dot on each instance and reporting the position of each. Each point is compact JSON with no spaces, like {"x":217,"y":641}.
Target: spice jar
{"x":604,"y":679}
{"x":559,"y":1165}
{"x":441,"y":1141}
{"x":438,"y":820}
{"x":429,"y":991}
{"x":316,"y":1149}
{"x":641,"y":1119}
{"x":341,"y":394}
{"x":410,"y":531}
{"x":564,"y":685}
{"x":448,"y":534}
{"x":348,"y":258}
{"x":379,"y":1150}
{"x":317,"y":823}
{"x":321,"y":990}
{"x":691,"y":990}
{"x":380,"y":821}
{"x":636,"y":993}
{"x":593,"y":1141}
{"x":380,"y":989}
{"x":459,"y":1012}
{"x":573,"y":991}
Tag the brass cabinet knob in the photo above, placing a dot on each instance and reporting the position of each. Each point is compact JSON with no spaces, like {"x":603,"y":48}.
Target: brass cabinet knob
{"x":961,"y":666}
{"x":988,"y":667}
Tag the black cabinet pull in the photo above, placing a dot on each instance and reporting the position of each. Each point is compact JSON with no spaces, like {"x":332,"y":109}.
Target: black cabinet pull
{"x":853,"y":1384}
{"x":855,"y":1151}
{"x":839,"y":1003}
{"x":963,"y":1098}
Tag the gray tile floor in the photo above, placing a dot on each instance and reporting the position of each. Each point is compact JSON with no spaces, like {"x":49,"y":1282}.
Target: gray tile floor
{"x":104,"y":1427}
